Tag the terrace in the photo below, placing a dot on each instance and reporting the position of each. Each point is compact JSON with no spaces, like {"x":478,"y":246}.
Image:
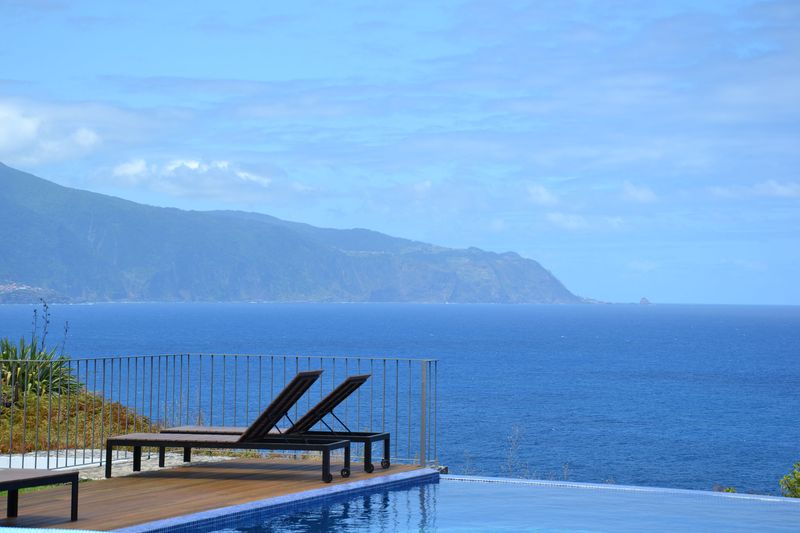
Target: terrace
{"x":126,"y":394}
{"x":159,"y":495}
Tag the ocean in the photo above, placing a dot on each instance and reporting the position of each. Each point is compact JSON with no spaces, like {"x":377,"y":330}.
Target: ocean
{"x":682,"y":396}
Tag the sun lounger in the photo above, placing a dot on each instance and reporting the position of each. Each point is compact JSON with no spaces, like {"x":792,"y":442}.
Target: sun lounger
{"x":13,"y":479}
{"x":255,"y":437}
{"x":303,"y":427}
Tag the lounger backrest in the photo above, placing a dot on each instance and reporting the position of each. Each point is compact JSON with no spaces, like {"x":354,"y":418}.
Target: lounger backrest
{"x":328,"y":404}
{"x":280,"y":406}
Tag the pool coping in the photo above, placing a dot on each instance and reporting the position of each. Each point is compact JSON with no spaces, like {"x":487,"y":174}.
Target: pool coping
{"x":14,"y":529}
{"x":613,"y":487}
{"x":219,"y":516}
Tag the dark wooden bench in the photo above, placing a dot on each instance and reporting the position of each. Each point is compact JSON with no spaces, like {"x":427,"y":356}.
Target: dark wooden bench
{"x":13,"y":479}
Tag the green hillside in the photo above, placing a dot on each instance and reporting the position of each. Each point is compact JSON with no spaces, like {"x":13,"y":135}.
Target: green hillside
{"x":72,"y":245}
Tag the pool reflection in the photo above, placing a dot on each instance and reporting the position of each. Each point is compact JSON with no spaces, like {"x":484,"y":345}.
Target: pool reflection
{"x":404,"y":508}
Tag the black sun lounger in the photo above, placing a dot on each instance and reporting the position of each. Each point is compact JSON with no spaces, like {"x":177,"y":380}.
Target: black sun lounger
{"x":13,"y":479}
{"x":255,"y":437}
{"x":303,"y":427}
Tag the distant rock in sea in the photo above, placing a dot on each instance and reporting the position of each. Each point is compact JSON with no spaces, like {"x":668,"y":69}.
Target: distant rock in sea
{"x":644,"y":301}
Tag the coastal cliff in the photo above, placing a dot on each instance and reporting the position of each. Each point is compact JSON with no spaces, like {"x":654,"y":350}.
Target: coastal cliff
{"x":73,"y":245}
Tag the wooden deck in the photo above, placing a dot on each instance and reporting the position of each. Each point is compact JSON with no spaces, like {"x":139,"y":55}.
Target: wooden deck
{"x":135,"y":499}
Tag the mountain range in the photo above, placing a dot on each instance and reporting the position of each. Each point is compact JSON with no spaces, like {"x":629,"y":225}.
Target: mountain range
{"x":70,"y":245}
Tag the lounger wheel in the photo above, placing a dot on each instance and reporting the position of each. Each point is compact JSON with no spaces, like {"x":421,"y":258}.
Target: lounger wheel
{"x":385,"y":463}
{"x":368,"y":468}
{"x":327,"y":478}
{"x":345,"y":472}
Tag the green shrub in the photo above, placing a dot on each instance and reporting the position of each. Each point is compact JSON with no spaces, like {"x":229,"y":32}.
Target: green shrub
{"x":29,"y":368}
{"x":790,"y":484}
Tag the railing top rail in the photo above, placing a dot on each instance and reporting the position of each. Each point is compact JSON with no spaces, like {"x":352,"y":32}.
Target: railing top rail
{"x":287,"y":356}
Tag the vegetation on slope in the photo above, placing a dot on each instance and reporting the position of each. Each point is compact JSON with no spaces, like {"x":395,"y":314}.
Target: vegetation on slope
{"x":102,"y":248}
{"x":66,"y":421}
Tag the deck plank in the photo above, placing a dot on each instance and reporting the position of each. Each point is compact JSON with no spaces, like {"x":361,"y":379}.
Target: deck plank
{"x":128,"y":500}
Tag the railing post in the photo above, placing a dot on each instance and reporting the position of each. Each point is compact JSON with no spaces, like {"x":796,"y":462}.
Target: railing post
{"x":423,"y":412}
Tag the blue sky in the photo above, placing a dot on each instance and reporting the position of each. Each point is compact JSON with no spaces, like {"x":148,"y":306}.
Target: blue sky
{"x":633,"y":148}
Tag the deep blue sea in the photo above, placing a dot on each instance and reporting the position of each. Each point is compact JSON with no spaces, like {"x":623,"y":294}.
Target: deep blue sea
{"x":660,"y":395}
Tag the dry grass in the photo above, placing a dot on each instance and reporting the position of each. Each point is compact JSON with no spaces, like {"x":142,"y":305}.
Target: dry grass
{"x":80,"y":420}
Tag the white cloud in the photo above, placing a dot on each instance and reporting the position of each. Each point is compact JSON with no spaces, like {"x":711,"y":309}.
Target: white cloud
{"x":769,"y":188}
{"x":16,"y":128}
{"x":422,"y":187}
{"x":31,"y":134}
{"x":497,"y":224}
{"x":133,"y":167}
{"x":777,"y":189}
{"x":642,"y":265}
{"x":192,"y":177}
{"x":302,"y":188}
{"x":570,"y":221}
{"x":539,"y":195}
{"x":249,"y":176}
{"x":85,"y":137}
{"x":724,"y":192}
{"x":131,"y":172}
{"x":190,"y":164}
{"x":747,"y":264}
{"x":638,"y":194}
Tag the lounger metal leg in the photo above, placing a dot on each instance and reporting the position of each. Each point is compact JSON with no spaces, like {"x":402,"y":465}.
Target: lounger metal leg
{"x":187,"y":455}
{"x":13,"y":502}
{"x":347,"y":456}
{"x":368,"y":467}
{"x":162,"y":456}
{"x":137,"y":458}
{"x":387,"y":452}
{"x":74,"y":507}
{"x":326,"y":466}
{"x":109,"y":451}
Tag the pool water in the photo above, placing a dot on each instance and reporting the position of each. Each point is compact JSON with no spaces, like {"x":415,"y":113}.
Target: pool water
{"x":494,"y":504}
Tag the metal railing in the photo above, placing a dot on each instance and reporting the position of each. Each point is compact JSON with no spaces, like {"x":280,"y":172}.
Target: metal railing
{"x":47,"y":424}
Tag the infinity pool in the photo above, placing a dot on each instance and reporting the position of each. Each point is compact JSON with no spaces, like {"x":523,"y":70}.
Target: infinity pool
{"x":492,"y":504}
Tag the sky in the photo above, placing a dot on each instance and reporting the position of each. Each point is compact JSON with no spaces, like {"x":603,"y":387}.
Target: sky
{"x":635,"y":149}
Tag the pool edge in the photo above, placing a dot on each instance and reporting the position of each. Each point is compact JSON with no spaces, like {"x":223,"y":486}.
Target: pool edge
{"x":180,"y":523}
{"x":613,"y":487}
